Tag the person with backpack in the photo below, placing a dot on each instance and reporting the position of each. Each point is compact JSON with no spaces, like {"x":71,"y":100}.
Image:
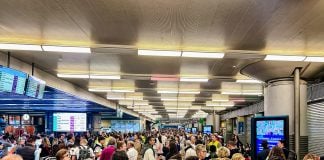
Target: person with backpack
{"x":148,"y":151}
{"x":84,"y":152}
{"x":120,"y":153}
{"x":99,"y":147}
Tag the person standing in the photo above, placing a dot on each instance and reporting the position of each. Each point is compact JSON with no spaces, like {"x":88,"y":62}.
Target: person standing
{"x":131,"y":153}
{"x":120,"y":153}
{"x":281,"y":144}
{"x":108,"y":152}
{"x":265,"y":152}
{"x":149,"y":151}
{"x":27,"y":152}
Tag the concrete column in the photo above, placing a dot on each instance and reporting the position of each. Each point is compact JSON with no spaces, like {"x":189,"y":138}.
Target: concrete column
{"x":279,"y":100}
{"x":214,"y":120}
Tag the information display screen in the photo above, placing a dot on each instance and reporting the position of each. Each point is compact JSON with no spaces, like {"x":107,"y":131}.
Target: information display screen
{"x":69,"y":122}
{"x":125,"y":126}
{"x":207,"y":129}
{"x":35,"y":87}
{"x":271,"y":129}
{"x":188,"y":130}
{"x":11,"y":80}
{"x":194,"y":130}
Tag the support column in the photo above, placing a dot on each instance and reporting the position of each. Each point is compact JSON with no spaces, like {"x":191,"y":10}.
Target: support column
{"x":297,"y":111}
{"x":279,"y":99}
{"x":214,"y":122}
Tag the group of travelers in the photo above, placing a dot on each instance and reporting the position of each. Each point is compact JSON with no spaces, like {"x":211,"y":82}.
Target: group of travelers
{"x":151,"y":145}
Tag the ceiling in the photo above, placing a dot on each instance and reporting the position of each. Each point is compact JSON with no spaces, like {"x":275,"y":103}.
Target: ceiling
{"x":54,"y":100}
{"x":245,"y":30}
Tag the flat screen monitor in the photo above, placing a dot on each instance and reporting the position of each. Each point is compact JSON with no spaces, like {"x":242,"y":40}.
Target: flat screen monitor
{"x":188,"y":130}
{"x":125,"y":126}
{"x":271,"y":129}
{"x":194,"y":130}
{"x":12,"y":80}
{"x":35,"y":87}
{"x":208,"y":129}
{"x":69,"y":122}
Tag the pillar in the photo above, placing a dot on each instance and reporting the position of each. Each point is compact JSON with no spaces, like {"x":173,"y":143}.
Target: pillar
{"x":214,"y":120}
{"x":279,"y":96}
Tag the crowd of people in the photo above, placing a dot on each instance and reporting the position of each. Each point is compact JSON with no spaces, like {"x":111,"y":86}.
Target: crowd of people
{"x":153,"y":145}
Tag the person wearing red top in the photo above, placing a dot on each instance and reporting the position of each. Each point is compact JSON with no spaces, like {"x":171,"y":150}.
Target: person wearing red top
{"x":108,"y":152}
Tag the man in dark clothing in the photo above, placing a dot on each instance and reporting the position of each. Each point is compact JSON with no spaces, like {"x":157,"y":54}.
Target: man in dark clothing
{"x":281,"y":144}
{"x":265,"y":152}
{"x":27,"y":152}
{"x":233,"y":149}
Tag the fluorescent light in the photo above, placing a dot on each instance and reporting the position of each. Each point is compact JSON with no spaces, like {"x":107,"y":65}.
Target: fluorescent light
{"x":202,"y":54}
{"x":123,"y":90}
{"x":104,"y":77}
{"x":284,"y":58}
{"x":159,"y":53}
{"x":248,"y":81}
{"x":98,"y":90}
{"x":252,"y":93}
{"x":244,"y":93}
{"x":160,"y":91}
{"x":26,"y":47}
{"x":194,"y":79}
{"x":189,"y":92}
{"x":180,"y":92}
{"x":73,"y":75}
{"x":67,"y":49}
{"x":190,"y":99}
{"x":314,"y":59}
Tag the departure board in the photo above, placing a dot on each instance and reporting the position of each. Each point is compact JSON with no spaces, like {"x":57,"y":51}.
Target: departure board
{"x":11,"y":80}
{"x":69,"y":122}
{"x":35,"y":87}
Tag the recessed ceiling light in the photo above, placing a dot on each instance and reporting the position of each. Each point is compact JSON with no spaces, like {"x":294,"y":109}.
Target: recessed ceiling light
{"x":202,"y":54}
{"x":73,"y":75}
{"x":104,"y":76}
{"x":284,"y":58}
{"x":183,"y":79}
{"x":314,"y":59}
{"x":26,"y":47}
{"x":66,"y":49}
{"x":159,"y":53}
{"x":248,"y":81}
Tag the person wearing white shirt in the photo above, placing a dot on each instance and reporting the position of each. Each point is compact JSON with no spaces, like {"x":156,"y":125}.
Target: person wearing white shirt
{"x":131,"y":153}
{"x":189,"y":150}
{"x":149,"y":153}
{"x":164,"y":139}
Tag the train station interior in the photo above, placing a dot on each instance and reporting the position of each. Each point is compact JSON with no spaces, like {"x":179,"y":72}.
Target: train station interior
{"x":250,"y":69}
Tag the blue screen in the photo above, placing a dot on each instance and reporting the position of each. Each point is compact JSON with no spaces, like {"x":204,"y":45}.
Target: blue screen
{"x":125,"y":126}
{"x":207,"y":129}
{"x":270,"y":130}
{"x":35,"y":87}
{"x":194,"y":130}
{"x":188,"y":130}
{"x":12,"y":80}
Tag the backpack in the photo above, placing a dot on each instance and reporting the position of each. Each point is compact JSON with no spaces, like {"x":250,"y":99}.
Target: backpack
{"x":84,"y":152}
{"x":145,"y":148}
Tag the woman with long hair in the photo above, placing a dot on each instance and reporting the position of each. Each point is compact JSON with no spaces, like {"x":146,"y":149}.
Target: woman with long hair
{"x":276,"y":153}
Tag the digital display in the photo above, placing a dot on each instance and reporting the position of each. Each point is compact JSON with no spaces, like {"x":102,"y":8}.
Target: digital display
{"x":207,"y":129}
{"x":270,"y":130}
{"x":11,"y":80}
{"x":35,"y":87}
{"x":69,"y":122}
{"x":125,"y":126}
{"x":194,"y":130}
{"x":188,"y":130}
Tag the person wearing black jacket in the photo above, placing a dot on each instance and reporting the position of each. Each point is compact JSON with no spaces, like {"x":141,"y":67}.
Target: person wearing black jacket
{"x":265,"y":152}
{"x":27,"y":152}
{"x":232,"y":147}
{"x":281,"y":144}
